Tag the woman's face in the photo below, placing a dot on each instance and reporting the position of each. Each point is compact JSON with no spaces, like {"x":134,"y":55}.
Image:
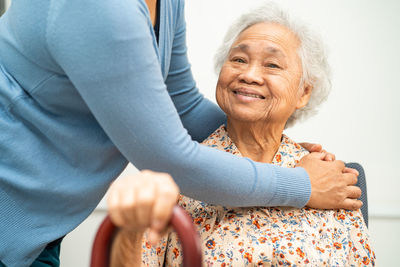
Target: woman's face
{"x":260,"y":79}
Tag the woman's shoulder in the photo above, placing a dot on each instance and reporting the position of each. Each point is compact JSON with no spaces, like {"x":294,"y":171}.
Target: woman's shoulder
{"x":290,"y":143}
{"x":289,"y":153}
{"x":219,"y":134}
{"x":220,"y":140}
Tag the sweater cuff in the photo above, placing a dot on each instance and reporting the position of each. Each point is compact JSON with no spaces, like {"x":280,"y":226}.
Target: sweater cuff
{"x":293,"y":187}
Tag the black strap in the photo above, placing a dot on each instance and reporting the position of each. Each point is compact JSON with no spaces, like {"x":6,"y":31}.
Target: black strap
{"x":157,"y":24}
{"x":55,"y":242}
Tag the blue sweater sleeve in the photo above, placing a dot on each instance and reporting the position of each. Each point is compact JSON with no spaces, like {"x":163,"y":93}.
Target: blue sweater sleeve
{"x":199,"y":115}
{"x":106,"y":50}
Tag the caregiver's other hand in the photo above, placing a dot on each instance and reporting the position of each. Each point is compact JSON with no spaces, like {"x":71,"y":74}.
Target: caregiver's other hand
{"x":318,"y":148}
{"x":332,"y":184}
{"x":142,"y":201}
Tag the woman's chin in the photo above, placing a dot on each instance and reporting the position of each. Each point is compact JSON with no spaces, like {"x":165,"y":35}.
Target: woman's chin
{"x":245,"y":118}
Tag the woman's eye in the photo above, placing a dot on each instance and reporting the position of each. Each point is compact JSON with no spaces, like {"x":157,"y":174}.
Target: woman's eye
{"x":272,"y":65}
{"x":239,"y":60}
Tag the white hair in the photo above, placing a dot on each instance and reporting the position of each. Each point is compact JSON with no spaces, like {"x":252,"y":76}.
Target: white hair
{"x":312,"y":53}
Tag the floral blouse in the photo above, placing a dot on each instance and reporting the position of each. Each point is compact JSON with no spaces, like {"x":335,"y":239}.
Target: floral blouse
{"x":259,"y":236}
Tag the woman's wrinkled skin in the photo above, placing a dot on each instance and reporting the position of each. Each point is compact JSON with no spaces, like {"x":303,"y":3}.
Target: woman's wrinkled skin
{"x":260,"y":86}
{"x":136,"y":203}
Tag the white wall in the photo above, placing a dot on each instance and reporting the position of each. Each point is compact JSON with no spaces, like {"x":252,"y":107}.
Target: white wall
{"x":360,"y":120}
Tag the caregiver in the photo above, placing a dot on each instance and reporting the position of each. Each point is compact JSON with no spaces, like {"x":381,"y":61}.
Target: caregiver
{"x":85,"y":87}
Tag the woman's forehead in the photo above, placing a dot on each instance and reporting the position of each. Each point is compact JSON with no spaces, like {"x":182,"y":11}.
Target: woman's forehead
{"x":267,"y":49}
{"x":270,"y":37}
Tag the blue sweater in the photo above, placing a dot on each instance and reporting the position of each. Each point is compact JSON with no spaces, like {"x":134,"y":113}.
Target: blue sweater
{"x":84,"y":88}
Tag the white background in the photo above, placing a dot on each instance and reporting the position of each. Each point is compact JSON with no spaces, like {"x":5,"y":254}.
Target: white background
{"x":359,"y":122}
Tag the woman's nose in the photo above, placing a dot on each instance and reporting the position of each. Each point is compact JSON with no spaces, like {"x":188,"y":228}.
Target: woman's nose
{"x":252,"y":75}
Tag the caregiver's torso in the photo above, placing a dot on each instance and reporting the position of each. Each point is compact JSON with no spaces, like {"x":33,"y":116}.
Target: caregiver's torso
{"x":50,"y":143}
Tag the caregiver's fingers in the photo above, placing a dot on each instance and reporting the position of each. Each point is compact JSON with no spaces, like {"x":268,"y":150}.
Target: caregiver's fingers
{"x":312,"y":147}
{"x":350,"y":178}
{"x":352,"y":204}
{"x":329,"y":156}
{"x":351,"y":170}
{"x":354,"y":192}
{"x":316,"y":155}
{"x":318,"y":148}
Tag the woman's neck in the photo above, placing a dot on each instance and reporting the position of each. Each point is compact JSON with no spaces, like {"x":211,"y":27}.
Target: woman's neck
{"x":257,"y":141}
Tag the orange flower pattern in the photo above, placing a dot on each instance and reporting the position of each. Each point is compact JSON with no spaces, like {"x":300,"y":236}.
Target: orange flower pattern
{"x":278,"y":236}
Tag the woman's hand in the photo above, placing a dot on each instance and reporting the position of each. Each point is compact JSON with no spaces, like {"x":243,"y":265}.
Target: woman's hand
{"x":135,"y":203}
{"x":318,"y":148}
{"x":143,"y":201}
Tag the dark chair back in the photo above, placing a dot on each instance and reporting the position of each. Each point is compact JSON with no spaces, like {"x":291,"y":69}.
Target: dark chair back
{"x":362,"y":183}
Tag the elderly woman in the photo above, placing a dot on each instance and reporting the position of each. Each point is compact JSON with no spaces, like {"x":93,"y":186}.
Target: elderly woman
{"x":272,"y":73}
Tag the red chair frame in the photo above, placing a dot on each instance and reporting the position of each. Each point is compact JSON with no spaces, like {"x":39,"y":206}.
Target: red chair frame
{"x":180,"y":221}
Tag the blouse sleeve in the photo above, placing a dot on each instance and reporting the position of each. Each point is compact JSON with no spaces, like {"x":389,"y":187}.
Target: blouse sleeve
{"x":154,"y":255}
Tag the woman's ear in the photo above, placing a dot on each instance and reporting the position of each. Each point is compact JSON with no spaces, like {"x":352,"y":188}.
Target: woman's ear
{"x":305,"y":97}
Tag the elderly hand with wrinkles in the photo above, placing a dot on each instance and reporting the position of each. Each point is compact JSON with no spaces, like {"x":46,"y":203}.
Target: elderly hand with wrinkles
{"x":137,"y":203}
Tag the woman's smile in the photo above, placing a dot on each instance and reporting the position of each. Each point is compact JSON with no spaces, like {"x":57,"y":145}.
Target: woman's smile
{"x":247,"y":95}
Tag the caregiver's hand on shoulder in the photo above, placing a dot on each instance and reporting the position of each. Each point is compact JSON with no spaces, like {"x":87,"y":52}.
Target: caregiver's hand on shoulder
{"x":332,"y":184}
{"x":142,"y":201}
{"x":318,"y":148}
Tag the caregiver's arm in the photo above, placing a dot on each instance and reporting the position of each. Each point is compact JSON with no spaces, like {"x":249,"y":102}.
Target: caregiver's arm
{"x":199,"y":115}
{"x":106,"y":50}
